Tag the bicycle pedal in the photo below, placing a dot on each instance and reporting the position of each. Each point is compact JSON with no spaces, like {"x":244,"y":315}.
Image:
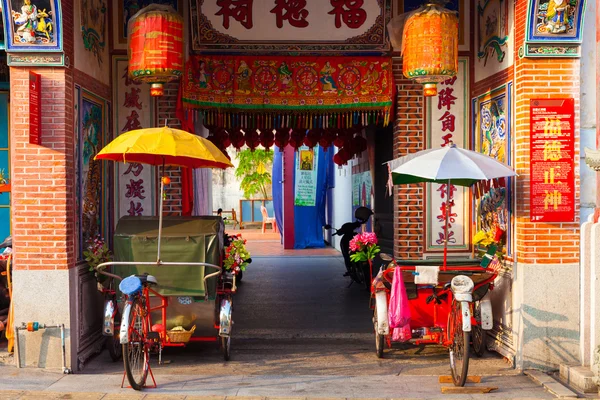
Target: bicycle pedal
{"x":153,"y":335}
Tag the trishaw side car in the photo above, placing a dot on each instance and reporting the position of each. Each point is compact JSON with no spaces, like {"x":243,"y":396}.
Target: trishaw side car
{"x":452,"y":312}
{"x":170,"y":303}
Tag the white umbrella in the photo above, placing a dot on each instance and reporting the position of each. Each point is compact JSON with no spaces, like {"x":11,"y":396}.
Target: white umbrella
{"x":449,"y":165}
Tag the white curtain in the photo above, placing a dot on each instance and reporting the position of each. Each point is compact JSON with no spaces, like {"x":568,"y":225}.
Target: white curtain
{"x":202,"y":179}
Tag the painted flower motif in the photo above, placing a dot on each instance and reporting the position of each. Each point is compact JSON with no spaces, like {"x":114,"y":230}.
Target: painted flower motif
{"x":284,"y":102}
{"x":302,"y":102}
{"x":356,"y":100}
{"x":248,"y":100}
{"x":230,"y":100}
{"x":501,"y":126}
{"x":266,"y":100}
{"x":320,"y":101}
{"x":211,"y":98}
{"x":374,"y":99}
{"x":486,"y":119}
{"x":338,"y":101}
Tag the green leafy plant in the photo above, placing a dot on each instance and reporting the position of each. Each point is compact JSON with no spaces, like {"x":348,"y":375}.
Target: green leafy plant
{"x":254,"y":171}
{"x":96,"y":253}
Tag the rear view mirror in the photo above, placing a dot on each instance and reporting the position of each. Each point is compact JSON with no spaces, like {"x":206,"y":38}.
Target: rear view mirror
{"x":327,"y":226}
{"x":385,"y":257}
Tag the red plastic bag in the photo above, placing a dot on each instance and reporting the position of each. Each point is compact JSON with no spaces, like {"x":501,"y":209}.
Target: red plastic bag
{"x":398,"y":309}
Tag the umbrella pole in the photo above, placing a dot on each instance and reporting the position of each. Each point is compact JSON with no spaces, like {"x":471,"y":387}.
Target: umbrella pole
{"x":448,"y":205}
{"x":160,"y":214}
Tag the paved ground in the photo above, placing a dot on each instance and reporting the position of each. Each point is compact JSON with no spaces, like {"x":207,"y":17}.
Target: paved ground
{"x":300,"y":332}
{"x":268,"y":244}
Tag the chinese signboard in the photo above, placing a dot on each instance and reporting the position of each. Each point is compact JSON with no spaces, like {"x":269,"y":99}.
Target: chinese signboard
{"x":290,"y":25}
{"x":306,"y":176}
{"x":134,"y":182}
{"x":552,"y":160}
{"x":447,"y":123}
{"x":35,"y":108}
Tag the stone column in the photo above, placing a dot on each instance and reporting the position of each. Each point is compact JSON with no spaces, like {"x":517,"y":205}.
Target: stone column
{"x":546,"y":280}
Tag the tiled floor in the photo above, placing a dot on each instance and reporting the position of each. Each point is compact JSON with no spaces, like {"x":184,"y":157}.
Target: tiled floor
{"x":269,"y":244}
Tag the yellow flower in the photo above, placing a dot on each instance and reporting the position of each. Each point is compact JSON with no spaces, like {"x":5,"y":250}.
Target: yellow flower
{"x":483,"y":238}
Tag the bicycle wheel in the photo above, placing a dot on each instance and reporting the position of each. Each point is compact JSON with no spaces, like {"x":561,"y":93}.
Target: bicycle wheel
{"x":113,"y":343}
{"x":477,"y":334}
{"x":135,"y":352}
{"x":379,"y":339}
{"x":459,"y":349}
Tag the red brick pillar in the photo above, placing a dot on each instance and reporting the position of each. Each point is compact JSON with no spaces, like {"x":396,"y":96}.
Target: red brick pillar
{"x":546,"y":286}
{"x":44,"y":207}
{"x":409,"y":137}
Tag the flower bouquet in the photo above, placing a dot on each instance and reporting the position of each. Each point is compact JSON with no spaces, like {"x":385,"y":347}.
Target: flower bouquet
{"x":490,"y":243}
{"x":364,"y":247}
{"x":96,"y":253}
{"x":236,"y":255}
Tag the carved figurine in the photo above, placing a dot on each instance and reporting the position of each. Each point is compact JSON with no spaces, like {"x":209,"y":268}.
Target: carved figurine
{"x":26,"y":21}
{"x":556,"y":16}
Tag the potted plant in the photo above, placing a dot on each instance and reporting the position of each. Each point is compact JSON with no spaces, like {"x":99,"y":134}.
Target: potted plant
{"x":363,"y":248}
{"x":96,"y":253}
{"x":237,"y":257}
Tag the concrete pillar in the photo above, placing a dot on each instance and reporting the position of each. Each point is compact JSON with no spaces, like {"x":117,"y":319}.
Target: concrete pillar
{"x":546,"y":281}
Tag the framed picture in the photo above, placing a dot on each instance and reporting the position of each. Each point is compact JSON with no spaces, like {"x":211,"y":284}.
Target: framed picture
{"x":555,"y":21}
{"x":492,"y":137}
{"x":32,"y":25}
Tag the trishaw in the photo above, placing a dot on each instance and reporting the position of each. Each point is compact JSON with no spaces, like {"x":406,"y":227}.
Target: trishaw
{"x":454,"y":312}
{"x":186,"y":298}
{"x":446,"y":305}
{"x":173,"y":303}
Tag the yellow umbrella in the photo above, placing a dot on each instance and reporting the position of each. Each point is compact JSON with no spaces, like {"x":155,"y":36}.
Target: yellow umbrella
{"x":164,"y":146}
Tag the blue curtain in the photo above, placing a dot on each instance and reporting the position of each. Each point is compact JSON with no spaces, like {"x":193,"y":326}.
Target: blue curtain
{"x":277,"y":187}
{"x":309,"y":221}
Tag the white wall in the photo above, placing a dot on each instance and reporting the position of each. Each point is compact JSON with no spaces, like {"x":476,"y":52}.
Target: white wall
{"x":342,"y":200}
{"x":589,"y":97}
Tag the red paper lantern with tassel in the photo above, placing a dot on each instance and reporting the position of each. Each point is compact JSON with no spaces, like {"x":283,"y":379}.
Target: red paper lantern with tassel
{"x":252,"y":139}
{"x":236,"y":136}
{"x":327,"y":138}
{"x":282,"y":138}
{"x":267,"y":138}
{"x":297,"y":138}
{"x":312,"y":137}
{"x":359,"y":144}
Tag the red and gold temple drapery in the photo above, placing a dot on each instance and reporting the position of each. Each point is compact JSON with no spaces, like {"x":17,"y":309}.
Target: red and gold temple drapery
{"x":287,"y":91}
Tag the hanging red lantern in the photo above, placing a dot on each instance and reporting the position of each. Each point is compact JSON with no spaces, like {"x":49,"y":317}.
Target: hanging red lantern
{"x":312,"y":137}
{"x":282,"y":138}
{"x":430,"y":46}
{"x":156,"y":46}
{"x":297,"y":138}
{"x":342,"y":156}
{"x":237,"y":138}
{"x":359,"y":144}
{"x":327,"y":138}
{"x":252,"y":139}
{"x":267,"y":138}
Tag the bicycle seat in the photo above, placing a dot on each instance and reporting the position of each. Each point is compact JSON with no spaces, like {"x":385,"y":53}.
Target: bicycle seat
{"x":146,"y":278}
{"x":130,"y":285}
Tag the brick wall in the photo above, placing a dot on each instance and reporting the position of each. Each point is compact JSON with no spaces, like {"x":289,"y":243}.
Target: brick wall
{"x":43,"y":195}
{"x":542,"y":78}
{"x":166,"y":109}
{"x":409,"y":137}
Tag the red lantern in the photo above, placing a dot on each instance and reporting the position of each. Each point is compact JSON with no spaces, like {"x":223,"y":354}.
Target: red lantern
{"x":267,"y":138}
{"x":360,"y":144}
{"x":312,"y":137}
{"x":252,"y":139}
{"x":237,"y":138}
{"x":327,"y":138}
{"x":297,"y":138}
{"x":156,"y":46}
{"x":282,"y":138}
{"x":342,"y":156}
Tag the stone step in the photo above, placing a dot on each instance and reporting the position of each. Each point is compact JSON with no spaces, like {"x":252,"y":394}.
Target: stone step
{"x":580,"y":378}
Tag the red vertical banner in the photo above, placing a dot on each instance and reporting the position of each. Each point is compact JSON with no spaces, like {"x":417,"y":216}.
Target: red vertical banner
{"x":552,"y":164}
{"x":35,"y":108}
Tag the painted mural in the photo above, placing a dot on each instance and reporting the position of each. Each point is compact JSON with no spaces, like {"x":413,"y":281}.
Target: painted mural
{"x":92,"y":131}
{"x":93,"y":26}
{"x":492,"y":18}
{"x":492,"y":138}
{"x":33,"y":24}
{"x":556,"y":17}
